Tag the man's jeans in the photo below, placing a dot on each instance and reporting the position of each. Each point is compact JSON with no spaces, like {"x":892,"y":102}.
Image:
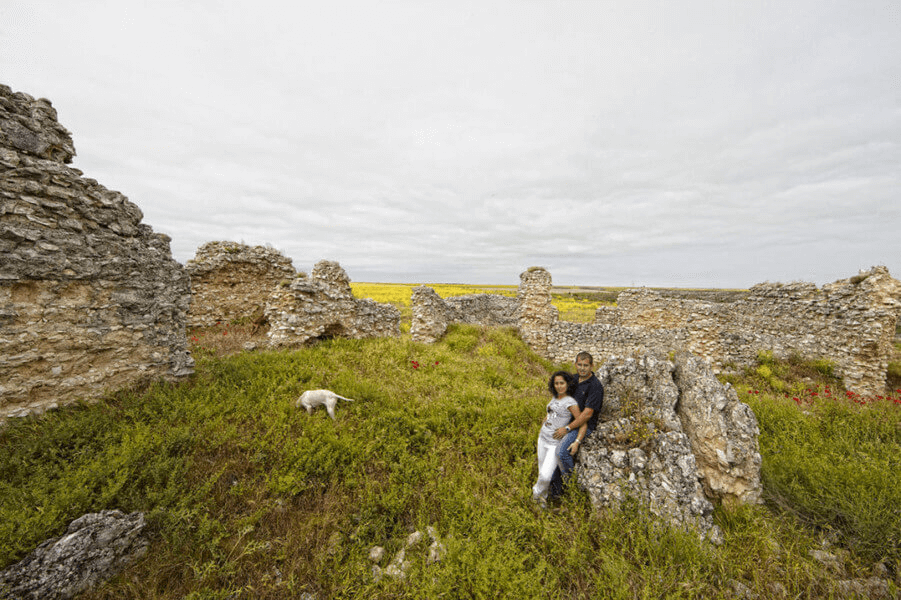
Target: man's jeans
{"x":567,"y":462}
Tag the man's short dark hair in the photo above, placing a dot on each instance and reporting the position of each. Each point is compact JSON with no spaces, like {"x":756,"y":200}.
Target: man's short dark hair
{"x":569,"y":379}
{"x":584,"y":354}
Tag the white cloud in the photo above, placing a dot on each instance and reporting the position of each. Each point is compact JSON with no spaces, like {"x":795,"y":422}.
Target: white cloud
{"x":614,"y":143}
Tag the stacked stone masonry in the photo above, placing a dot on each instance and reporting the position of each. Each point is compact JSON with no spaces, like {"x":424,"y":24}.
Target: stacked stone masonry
{"x":90,"y":297}
{"x":850,"y":322}
{"x":432,"y":314}
{"x":232,"y":282}
{"x":322,"y":306}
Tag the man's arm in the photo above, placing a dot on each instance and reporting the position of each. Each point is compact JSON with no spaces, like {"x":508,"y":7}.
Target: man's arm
{"x":574,"y":447}
{"x":575,"y":424}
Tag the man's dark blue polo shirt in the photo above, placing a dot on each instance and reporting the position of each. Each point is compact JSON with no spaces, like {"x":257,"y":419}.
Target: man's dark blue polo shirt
{"x":590,"y":393}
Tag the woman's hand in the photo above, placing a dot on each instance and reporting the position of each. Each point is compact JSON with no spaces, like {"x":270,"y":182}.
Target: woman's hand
{"x":574,"y":447}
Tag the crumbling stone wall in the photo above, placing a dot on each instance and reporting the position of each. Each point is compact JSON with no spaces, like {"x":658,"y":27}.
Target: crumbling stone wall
{"x":232,"y":281}
{"x":323,"y":306}
{"x":432,"y":314}
{"x":535,"y":314}
{"x":850,"y":322}
{"x":90,"y":297}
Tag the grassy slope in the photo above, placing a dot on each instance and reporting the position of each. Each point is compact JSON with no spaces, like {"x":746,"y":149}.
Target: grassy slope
{"x":246,"y":494}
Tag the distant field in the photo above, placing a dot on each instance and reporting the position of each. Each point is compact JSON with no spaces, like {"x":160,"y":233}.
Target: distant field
{"x":575,"y":303}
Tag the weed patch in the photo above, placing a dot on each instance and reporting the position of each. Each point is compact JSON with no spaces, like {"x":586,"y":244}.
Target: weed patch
{"x":247,"y":496}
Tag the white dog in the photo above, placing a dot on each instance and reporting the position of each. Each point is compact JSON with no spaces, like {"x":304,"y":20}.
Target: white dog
{"x":313,"y":398}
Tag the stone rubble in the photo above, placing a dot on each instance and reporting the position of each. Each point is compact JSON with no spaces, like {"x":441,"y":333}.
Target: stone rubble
{"x":872,"y":588}
{"x":399,"y":565}
{"x":94,"y":549}
{"x":90,"y":297}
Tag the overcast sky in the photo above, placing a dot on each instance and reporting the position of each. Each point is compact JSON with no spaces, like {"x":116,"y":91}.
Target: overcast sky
{"x":694,"y":143}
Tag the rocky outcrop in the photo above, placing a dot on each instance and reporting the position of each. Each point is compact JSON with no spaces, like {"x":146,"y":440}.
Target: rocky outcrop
{"x":90,"y":297}
{"x":322,"y":306}
{"x":641,"y":450}
{"x":94,"y":549}
{"x":232,"y":282}
{"x":722,"y":430}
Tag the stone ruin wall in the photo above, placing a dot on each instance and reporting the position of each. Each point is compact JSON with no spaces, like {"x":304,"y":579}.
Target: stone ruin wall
{"x":322,"y":306}
{"x":235,"y":282}
{"x":432,"y":314}
{"x":90,"y":297}
{"x":232,"y":282}
{"x":850,"y":323}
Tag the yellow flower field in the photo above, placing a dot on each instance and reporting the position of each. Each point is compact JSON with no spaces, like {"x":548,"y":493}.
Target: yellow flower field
{"x":573,"y":307}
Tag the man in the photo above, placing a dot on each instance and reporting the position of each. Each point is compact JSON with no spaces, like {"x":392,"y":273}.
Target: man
{"x":589,"y":394}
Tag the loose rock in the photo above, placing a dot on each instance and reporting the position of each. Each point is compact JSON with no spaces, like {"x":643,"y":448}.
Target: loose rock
{"x":94,"y":549}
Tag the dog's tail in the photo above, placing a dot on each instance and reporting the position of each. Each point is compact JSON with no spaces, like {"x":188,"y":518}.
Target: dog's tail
{"x":343,"y":398}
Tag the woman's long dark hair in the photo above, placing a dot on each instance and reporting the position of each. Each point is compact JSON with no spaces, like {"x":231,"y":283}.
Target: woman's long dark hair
{"x":569,"y":379}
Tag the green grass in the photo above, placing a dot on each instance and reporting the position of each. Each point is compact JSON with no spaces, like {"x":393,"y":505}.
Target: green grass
{"x":831,"y":458}
{"x":247,"y":496}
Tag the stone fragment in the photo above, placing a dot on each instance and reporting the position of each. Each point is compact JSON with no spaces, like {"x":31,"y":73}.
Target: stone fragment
{"x":436,"y":552}
{"x":376,"y":553}
{"x":742,"y":591}
{"x":827,"y":559}
{"x":413,"y":539}
{"x":873,"y":588}
{"x":94,"y":549}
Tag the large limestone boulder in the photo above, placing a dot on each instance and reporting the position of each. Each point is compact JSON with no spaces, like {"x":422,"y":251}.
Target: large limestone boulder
{"x":94,"y":549}
{"x":723,"y":433}
{"x":639,"y":450}
{"x":659,"y":427}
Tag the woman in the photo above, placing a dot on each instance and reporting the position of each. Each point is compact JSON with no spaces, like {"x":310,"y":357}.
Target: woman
{"x":560,"y":411}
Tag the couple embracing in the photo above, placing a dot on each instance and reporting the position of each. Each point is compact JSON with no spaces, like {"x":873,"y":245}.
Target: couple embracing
{"x":572,"y":414}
